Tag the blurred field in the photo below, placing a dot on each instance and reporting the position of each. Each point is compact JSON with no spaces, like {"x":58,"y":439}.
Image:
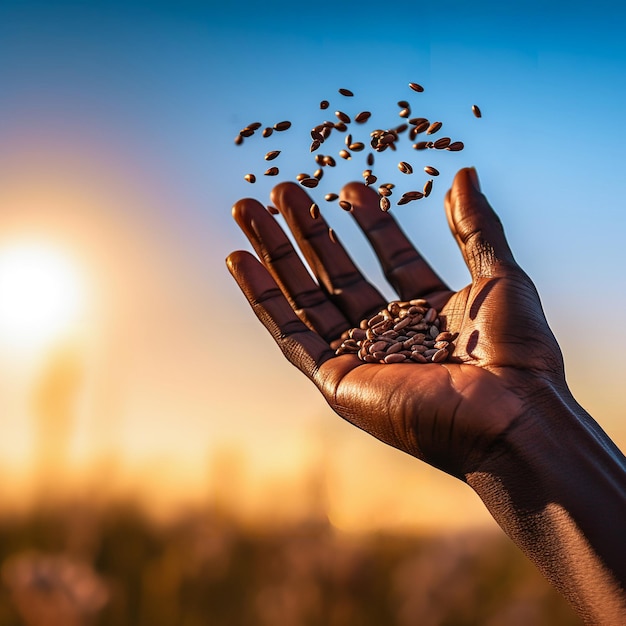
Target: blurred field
{"x":77,"y":563}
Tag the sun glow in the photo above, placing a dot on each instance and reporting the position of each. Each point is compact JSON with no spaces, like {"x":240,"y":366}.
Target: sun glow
{"x":41,"y":294}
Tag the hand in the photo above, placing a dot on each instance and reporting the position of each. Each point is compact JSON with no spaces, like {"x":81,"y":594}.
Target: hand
{"x":446,"y":414}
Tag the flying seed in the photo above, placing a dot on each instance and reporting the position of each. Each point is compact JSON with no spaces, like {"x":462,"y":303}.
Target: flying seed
{"x":324,"y":104}
{"x":405,"y":167}
{"x":357,"y":146}
{"x":370,"y":159}
{"x":416,"y":87}
{"x":270,"y":156}
{"x":442,"y":143}
{"x":385,"y":204}
{"x":429,"y":169}
{"x":428,"y":187}
{"x":272,"y":209}
{"x":315,"y":144}
{"x":329,"y":197}
{"x":340,"y":126}
{"x":343,"y":117}
{"x":267,"y":131}
{"x":346,"y":92}
{"x":362,"y":117}
{"x":238,"y":140}
{"x":345,"y":205}
{"x":422,"y":126}
{"x":314,"y":211}
{"x":246,"y":132}
{"x":403,"y":104}
{"x":455,"y":146}
{"x":330,"y":161}
{"x":420,"y":145}
{"x":309,"y":182}
{"x":344,"y":154}
{"x":302,"y":176}
{"x":251,"y":178}
{"x":318,"y":173}
{"x":384,"y":191}
{"x":433,"y":128}
{"x":406,"y":112}
{"x":282,"y":125}
{"x":476,"y":111}
{"x":272,"y":171}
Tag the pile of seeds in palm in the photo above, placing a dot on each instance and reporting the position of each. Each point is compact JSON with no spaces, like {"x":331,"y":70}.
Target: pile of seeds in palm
{"x":422,"y":132}
{"x":404,"y":332}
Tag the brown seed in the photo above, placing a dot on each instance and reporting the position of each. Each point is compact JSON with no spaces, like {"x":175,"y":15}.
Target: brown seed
{"x":409,"y":196}
{"x":418,"y":358}
{"x":389,"y":185}
{"x":267,"y":131}
{"x":422,"y":126}
{"x":343,"y":117}
{"x":370,"y":159}
{"x":442,"y":143}
{"x":318,"y":173}
{"x":455,"y":146}
{"x":345,"y":92}
{"x":385,"y":204}
{"x":309,"y":182}
{"x":417,"y":120}
{"x":331,"y":234}
{"x":370,"y":180}
{"x":238,"y":140}
{"x":406,"y":112}
{"x":340,"y":126}
{"x":403,"y":104}
{"x":329,"y":197}
{"x":394,"y":358}
{"x":440,"y":356}
{"x":401,"y":128}
{"x":319,"y":159}
{"x":366,"y":173}
{"x":314,"y":211}
{"x":429,"y":169}
{"x":344,"y":154}
{"x":362,"y":117}
{"x":330,"y":161}
{"x":357,"y":146}
{"x":254,"y":125}
{"x":348,"y":139}
{"x":251,"y":178}
{"x":272,"y":171}
{"x":405,"y":168}
{"x":246,"y":132}
{"x":416,"y":87}
{"x":315,"y":144}
{"x":433,"y":128}
{"x":282,"y":125}
{"x":412,"y":134}
{"x":476,"y":111}
{"x":317,"y":134}
{"x":302,"y":176}
{"x":384,"y":191}
{"x":345,"y":205}
{"x":428,"y":187}
{"x":324,"y":104}
{"x":420,"y":145}
{"x":272,"y":209}
{"x":270,"y":156}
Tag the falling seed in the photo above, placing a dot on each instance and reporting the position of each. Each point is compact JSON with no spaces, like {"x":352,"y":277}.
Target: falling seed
{"x":456,"y":146}
{"x":270,"y":156}
{"x":343,"y":117}
{"x":409,"y":196}
{"x":401,"y":128}
{"x":319,"y":159}
{"x":251,"y":178}
{"x":406,"y":112}
{"x":403,"y":104}
{"x":370,"y":159}
{"x":476,"y":111}
{"x":318,"y":173}
{"x":309,"y":182}
{"x":344,"y":154}
{"x":330,"y":161}
{"x":420,"y":145}
{"x":315,"y":144}
{"x":238,"y":140}
{"x":302,"y":176}
{"x":405,"y":168}
{"x":267,"y":131}
{"x":384,"y":204}
{"x":272,"y":209}
{"x":357,"y":146}
{"x":272,"y":171}
{"x":362,"y":117}
{"x":346,"y":92}
{"x":246,"y":132}
{"x":428,"y":187}
{"x":314,"y":211}
{"x":442,"y":143}
{"x":348,"y":139}
{"x":429,"y":169}
{"x":254,"y":126}
{"x":317,"y":135}
{"x":389,"y":185}
{"x":416,"y":87}
{"x":324,"y":104}
{"x":329,"y":197}
{"x":433,"y":128}
{"x":403,"y":200}
{"x":345,"y":205}
{"x":422,"y":126}
{"x":384,"y":191}
{"x":370,"y":180}
{"x":282,"y":125}
{"x":340,"y":126}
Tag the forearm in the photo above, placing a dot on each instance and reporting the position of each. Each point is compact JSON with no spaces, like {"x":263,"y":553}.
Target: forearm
{"x":556,"y":484}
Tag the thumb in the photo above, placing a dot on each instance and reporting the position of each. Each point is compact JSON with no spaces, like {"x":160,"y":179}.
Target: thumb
{"x":476,"y":227}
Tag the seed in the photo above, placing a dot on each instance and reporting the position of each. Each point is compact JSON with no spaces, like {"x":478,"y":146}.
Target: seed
{"x":344,"y":154}
{"x":315,"y":144}
{"x":251,"y":178}
{"x":366,"y":173}
{"x":405,"y":167}
{"x":254,"y":125}
{"x":412,"y":134}
{"x":395,"y":358}
{"x":345,"y":92}
{"x":403,"y":200}
{"x":282,"y":125}
{"x":272,"y":171}
{"x":418,"y":358}
{"x":405,"y":112}
{"x":348,"y":139}
{"x":324,"y":104}
{"x":370,"y":180}
{"x":270,"y":156}
{"x":302,"y":176}
{"x":476,"y":111}
{"x":412,"y":195}
{"x":440,"y":356}
{"x":318,"y":173}
{"x":420,"y":145}
{"x":370,"y":159}
{"x":309,"y":182}
{"x":429,"y":169}
{"x":362,"y":117}
{"x":238,"y":140}
{"x":389,"y":185}
{"x":345,"y":205}
{"x":403,"y":104}
{"x":246,"y":132}
{"x":401,"y":128}
{"x":342,"y":117}
{"x":428,"y":187}
{"x":442,"y":143}
{"x":319,"y":159}
{"x":329,"y":197}
{"x":272,"y":209}
{"x":455,"y":146}
{"x":317,"y":134}
{"x":433,"y":128}
{"x":385,"y":204}
{"x":384,"y":191}
{"x":267,"y":131}
{"x":357,"y":146}
{"x":340,"y":126}
{"x":331,"y":234}
{"x":330,"y":161}
{"x":314,"y":211}
{"x":416,"y":87}
{"x":422,"y":126}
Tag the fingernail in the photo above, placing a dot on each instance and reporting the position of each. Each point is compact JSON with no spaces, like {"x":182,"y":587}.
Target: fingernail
{"x":473,"y":176}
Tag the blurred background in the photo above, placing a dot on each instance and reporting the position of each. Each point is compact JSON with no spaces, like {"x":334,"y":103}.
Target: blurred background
{"x":160,"y":462}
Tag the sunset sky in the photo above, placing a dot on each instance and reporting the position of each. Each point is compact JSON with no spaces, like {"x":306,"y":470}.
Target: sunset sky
{"x":117,"y":122}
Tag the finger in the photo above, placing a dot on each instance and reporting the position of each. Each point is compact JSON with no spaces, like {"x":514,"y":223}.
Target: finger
{"x":303,"y":347}
{"x":275,"y":250}
{"x":335,"y":271}
{"x":406,"y":270}
{"x":476,"y":227}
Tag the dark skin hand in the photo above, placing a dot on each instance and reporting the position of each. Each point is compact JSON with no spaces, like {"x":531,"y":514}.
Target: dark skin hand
{"x":494,"y":415}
